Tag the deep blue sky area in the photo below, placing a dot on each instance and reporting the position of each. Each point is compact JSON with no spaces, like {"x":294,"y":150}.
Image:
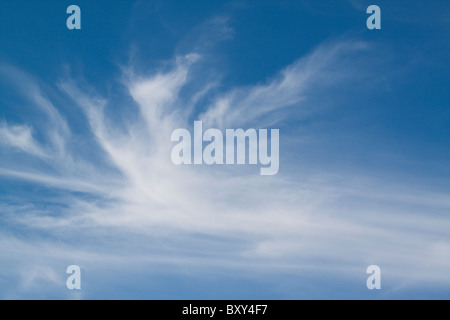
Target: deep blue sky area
{"x":364,"y":175}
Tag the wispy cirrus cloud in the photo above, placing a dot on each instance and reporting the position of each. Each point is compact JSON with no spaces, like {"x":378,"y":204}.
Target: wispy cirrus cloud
{"x":327,"y":65}
{"x":30,"y":91}
{"x":134,"y":204}
{"x":20,"y":137}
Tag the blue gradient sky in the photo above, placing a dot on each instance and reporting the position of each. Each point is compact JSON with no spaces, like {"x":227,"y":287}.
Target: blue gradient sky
{"x":85,"y":170}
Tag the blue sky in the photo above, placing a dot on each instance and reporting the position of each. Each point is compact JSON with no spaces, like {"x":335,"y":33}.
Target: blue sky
{"x":86,"y":176}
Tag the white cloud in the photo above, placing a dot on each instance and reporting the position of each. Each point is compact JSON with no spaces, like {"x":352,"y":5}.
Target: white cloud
{"x":28,"y":87}
{"x":328,"y":64}
{"x":156,"y":212}
{"x":20,"y":137}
